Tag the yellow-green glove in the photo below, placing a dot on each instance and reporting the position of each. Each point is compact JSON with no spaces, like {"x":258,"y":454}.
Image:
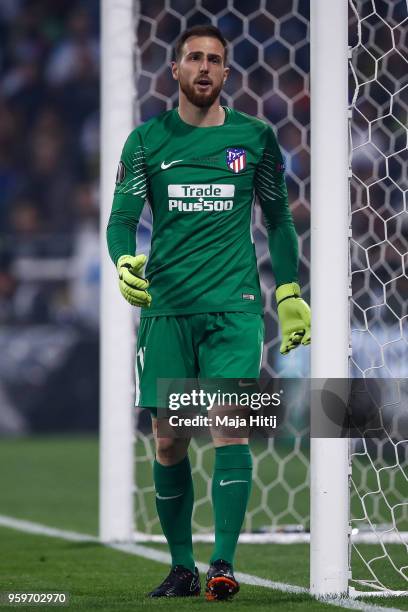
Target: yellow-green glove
{"x":132,"y":285}
{"x":294,"y":317}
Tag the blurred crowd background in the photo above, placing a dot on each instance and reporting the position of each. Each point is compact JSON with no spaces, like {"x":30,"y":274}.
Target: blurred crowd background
{"x":49,"y":213}
{"x":49,"y":177}
{"x":49,"y":156}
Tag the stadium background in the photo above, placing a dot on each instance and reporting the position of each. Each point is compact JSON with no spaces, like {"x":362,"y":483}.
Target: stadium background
{"x":49,"y":226}
{"x":49,"y":246}
{"x":49,"y":176}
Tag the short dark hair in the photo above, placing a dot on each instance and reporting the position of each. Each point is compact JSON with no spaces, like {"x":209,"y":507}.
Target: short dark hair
{"x":200,"y":30}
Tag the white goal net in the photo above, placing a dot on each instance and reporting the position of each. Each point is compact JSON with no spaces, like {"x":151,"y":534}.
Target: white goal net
{"x":269,"y":63}
{"x":269,"y":60}
{"x":379,"y":282}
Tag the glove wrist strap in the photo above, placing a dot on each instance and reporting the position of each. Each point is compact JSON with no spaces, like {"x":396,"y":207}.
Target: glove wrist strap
{"x":289,"y":290}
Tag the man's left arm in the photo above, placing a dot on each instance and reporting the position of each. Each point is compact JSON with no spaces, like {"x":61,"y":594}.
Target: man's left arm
{"x":270,"y":187}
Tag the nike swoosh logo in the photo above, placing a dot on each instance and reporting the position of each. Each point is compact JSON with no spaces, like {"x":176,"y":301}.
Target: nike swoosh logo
{"x":224,"y":483}
{"x":164,"y":166}
{"x":170,"y":497}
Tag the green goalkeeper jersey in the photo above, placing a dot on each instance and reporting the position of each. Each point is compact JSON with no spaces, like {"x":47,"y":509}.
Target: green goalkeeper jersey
{"x":200,"y":183}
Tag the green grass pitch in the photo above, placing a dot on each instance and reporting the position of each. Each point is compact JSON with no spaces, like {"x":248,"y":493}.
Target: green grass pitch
{"x":53,"y":481}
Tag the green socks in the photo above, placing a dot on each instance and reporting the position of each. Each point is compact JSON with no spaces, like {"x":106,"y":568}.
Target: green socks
{"x":174,"y":503}
{"x":231,"y":488}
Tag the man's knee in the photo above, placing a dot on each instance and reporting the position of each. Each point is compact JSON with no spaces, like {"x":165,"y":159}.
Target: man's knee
{"x":170,"y":451}
{"x":167,"y":451}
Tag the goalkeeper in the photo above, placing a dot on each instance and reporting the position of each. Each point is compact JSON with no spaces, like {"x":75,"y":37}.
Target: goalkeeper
{"x":199,"y":166}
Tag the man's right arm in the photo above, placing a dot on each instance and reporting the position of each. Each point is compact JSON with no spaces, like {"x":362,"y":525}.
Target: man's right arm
{"x":128,"y":201}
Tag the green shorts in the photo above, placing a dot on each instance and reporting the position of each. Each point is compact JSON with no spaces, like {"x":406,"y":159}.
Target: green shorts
{"x":208,"y":345}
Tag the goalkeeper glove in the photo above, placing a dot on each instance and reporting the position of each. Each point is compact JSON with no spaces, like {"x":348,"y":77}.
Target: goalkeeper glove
{"x":294,"y":317}
{"x":132,"y":285}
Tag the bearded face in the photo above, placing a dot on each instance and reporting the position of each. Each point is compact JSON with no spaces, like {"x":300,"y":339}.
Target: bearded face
{"x":200,"y":71}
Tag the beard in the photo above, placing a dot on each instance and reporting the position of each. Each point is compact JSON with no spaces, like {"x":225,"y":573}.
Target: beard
{"x":202,"y":100}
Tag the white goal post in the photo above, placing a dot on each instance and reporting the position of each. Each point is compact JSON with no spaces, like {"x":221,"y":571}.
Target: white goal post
{"x":116,"y":356}
{"x":329,"y":275}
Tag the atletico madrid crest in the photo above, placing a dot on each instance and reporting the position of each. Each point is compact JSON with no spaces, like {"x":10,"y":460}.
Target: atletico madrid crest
{"x":236,"y":160}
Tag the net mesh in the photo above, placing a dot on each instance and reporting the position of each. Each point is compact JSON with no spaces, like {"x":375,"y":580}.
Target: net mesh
{"x":269,"y":51}
{"x":379,"y":248}
{"x":269,"y":67}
